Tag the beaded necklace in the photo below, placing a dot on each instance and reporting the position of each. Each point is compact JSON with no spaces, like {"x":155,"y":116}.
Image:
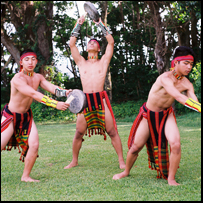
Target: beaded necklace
{"x":27,"y":73}
{"x":176,"y":74}
{"x":92,"y":57}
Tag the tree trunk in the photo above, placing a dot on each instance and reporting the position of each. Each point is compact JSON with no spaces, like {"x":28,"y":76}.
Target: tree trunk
{"x":183,"y":34}
{"x":194,"y":33}
{"x":108,"y":84}
{"x":44,"y":34}
{"x":6,"y":64}
{"x":43,"y":43}
{"x":10,"y":47}
{"x":160,"y":47}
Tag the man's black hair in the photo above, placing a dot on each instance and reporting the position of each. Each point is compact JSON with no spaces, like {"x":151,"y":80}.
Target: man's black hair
{"x":184,"y":51}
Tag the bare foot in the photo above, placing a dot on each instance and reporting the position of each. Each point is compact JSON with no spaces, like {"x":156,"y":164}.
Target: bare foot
{"x":120,"y":175}
{"x":72,"y":164}
{"x":173,"y":182}
{"x":28,"y":179}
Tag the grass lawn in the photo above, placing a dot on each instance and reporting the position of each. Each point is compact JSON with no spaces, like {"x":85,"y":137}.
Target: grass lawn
{"x":92,"y":179}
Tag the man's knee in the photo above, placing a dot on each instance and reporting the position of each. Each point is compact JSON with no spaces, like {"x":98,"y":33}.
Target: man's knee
{"x":34,"y":146}
{"x":175,"y":147}
{"x":111,"y":132}
{"x":135,"y":149}
{"x":79,"y":134}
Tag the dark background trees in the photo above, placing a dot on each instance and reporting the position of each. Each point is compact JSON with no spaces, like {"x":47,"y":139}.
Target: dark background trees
{"x":145,"y":33}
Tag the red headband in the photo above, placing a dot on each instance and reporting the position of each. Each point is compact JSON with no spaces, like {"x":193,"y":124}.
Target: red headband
{"x":181,"y":58}
{"x":28,"y":54}
{"x":95,"y":41}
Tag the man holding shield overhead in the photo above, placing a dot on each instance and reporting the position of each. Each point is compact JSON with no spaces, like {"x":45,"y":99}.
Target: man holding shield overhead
{"x":98,"y":115}
{"x":17,"y":125}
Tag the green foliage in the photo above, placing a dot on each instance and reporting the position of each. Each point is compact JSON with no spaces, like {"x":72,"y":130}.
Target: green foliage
{"x":181,"y":109}
{"x":133,"y":70}
{"x":73,"y":83}
{"x":131,"y":75}
{"x":5,"y":85}
{"x":5,"y":96}
{"x":195,"y":78}
{"x":43,"y":113}
{"x":184,"y":8}
{"x":127,"y":109}
{"x":54,"y":76}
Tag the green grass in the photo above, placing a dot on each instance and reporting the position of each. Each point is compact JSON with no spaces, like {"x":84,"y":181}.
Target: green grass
{"x":92,"y":179}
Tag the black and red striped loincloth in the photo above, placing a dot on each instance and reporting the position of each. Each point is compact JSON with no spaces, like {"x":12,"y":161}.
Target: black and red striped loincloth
{"x":22,"y":123}
{"x":157,"y":144}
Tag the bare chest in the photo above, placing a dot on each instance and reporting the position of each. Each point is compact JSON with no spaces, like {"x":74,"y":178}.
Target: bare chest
{"x":93,"y":71}
{"x":160,"y":92}
{"x":33,"y":82}
{"x":180,"y":86}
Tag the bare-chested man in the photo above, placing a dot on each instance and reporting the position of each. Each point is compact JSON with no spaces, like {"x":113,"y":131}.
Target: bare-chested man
{"x":98,"y":116}
{"x":17,"y":124}
{"x":156,"y":118}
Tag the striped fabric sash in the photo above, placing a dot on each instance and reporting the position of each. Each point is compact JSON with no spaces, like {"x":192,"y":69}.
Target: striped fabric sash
{"x":157,"y":144}
{"x":5,"y":123}
{"x":22,"y":126}
{"x":94,"y":113}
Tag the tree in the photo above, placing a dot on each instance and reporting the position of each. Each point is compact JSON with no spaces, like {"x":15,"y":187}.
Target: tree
{"x":32,"y":22}
{"x":181,"y":17}
{"x":185,"y":17}
{"x":160,"y":46}
{"x":145,"y":35}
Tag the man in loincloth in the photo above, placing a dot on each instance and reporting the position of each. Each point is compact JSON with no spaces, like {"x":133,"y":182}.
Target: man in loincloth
{"x":98,"y":115}
{"x":17,"y":125}
{"x":156,"y":125}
